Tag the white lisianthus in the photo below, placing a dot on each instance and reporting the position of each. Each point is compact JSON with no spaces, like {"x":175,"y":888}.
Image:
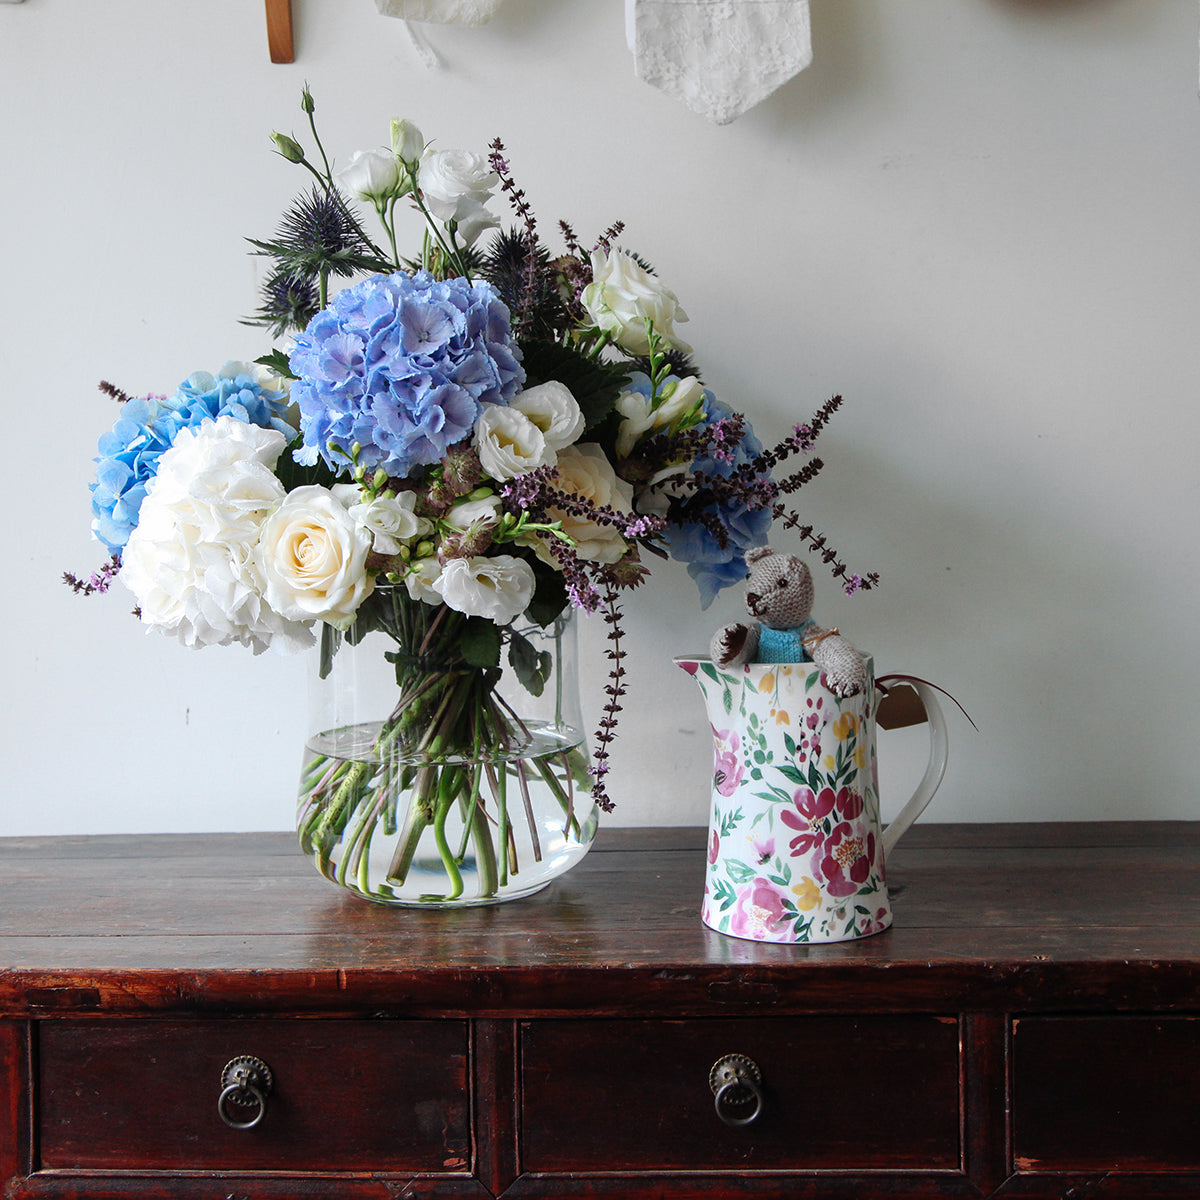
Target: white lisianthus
{"x":422,"y":579}
{"x":585,"y":470}
{"x":498,"y":587}
{"x":390,"y":520}
{"x":623,"y":296}
{"x":637,"y":417}
{"x":485,"y":511}
{"x":371,"y":175}
{"x":456,"y":184}
{"x":313,"y":557}
{"x":552,"y":408}
{"x":191,"y":560}
{"x":509,"y":443}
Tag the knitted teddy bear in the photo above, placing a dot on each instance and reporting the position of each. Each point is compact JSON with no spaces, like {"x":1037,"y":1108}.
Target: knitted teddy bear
{"x":779,"y":594}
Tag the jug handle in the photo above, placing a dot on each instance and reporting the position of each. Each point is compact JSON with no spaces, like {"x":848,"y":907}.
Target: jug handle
{"x":939,"y":753}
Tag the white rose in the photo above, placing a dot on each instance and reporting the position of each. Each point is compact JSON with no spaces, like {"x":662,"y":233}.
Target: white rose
{"x":637,"y":417}
{"x":191,"y":560}
{"x":370,"y":175}
{"x":466,"y":513}
{"x":456,"y":183}
{"x":509,"y":443}
{"x":390,"y":520}
{"x":585,"y":471}
{"x":623,"y":296}
{"x":498,"y":587}
{"x":313,"y":557}
{"x":552,"y":408}
{"x":422,"y":579}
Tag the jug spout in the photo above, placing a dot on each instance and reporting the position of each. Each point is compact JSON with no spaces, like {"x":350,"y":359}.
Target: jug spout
{"x":718,"y":685}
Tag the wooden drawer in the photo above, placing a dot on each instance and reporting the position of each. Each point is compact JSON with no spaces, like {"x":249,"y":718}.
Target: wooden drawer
{"x":839,"y":1093}
{"x":1106,"y":1093}
{"x":347,"y":1095}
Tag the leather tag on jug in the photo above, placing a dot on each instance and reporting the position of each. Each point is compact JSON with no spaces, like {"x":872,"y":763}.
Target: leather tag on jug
{"x":899,"y":707}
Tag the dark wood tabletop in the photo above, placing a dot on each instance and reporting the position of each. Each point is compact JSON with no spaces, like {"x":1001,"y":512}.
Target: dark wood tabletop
{"x":984,"y":914}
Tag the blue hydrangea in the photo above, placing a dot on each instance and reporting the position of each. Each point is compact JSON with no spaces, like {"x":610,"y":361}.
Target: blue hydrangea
{"x":401,"y":365}
{"x":712,"y":566}
{"x":129,"y":452}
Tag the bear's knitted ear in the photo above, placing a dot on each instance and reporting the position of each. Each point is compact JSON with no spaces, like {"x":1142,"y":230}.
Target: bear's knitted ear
{"x":757,"y":553}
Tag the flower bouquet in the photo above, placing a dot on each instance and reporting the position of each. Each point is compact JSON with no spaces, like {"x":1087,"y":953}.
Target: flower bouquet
{"x":443,"y":457}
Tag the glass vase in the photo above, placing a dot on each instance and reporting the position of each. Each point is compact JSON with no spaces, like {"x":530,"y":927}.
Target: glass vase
{"x":432,"y":781}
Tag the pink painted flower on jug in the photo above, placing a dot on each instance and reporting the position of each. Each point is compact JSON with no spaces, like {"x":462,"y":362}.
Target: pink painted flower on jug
{"x":727,"y":765}
{"x":812,"y":809}
{"x":759,"y":914}
{"x":763,"y":847}
{"x":846,"y":858}
{"x":714,"y":848}
{"x":849,"y":804}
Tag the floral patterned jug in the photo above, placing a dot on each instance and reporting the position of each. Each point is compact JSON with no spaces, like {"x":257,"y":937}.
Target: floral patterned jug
{"x":796,"y":852}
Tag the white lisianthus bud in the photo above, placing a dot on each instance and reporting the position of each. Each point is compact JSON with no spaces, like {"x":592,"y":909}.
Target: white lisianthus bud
{"x":552,"y":408}
{"x":313,"y":557}
{"x":498,"y":587}
{"x":623,"y":296}
{"x":407,"y":142}
{"x":637,"y":418}
{"x":370,"y":175}
{"x":456,"y":183}
{"x":509,"y":443}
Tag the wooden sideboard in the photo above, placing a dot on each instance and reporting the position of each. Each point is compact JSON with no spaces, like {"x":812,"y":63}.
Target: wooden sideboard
{"x":1029,"y":1027}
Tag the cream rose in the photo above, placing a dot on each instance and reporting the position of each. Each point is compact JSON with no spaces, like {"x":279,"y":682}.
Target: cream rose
{"x":585,"y":470}
{"x":552,"y":408}
{"x":509,"y":443}
{"x":498,"y":587}
{"x":313,"y":558}
{"x":623,"y":296}
{"x":637,"y":417}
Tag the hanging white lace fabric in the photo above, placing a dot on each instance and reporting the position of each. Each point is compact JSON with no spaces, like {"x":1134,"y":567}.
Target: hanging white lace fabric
{"x":442,"y":12}
{"x":720,"y":57}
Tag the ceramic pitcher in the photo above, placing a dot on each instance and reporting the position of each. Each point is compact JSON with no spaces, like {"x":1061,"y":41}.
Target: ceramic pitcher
{"x":796,"y":851}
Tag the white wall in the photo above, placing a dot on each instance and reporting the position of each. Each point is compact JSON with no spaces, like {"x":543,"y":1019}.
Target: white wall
{"x":975,"y":218}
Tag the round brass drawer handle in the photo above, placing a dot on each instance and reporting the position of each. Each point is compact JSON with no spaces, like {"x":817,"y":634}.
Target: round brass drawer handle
{"x":246,"y":1083}
{"x":736,"y":1084}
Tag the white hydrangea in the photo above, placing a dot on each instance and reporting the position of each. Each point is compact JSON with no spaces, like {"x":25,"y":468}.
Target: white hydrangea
{"x":191,"y":560}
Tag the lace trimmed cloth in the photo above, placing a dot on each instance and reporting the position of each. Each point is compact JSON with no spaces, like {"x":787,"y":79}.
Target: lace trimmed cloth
{"x":720,"y":57}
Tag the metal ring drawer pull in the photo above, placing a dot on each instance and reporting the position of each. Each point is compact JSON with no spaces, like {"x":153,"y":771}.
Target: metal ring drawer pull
{"x":246,"y":1083}
{"x":736,"y":1084}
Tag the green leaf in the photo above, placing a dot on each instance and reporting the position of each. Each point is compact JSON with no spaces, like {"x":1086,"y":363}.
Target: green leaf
{"x":549,"y":593}
{"x":292,"y":475}
{"x":278,"y":362}
{"x":480,"y":642}
{"x":532,"y":666}
{"x":329,"y":644}
{"x":739,"y":872}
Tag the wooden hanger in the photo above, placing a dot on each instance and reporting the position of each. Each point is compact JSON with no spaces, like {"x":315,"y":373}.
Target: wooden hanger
{"x":279,"y":31}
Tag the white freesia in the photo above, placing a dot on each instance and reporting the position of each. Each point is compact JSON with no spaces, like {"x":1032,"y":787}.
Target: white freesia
{"x":422,"y":578}
{"x":552,"y":408}
{"x":509,"y":443}
{"x":191,"y":560}
{"x":498,"y":587}
{"x":371,"y":175}
{"x":623,"y":296}
{"x":390,"y":520}
{"x":638,"y":418}
{"x":584,"y":469}
{"x":456,"y":184}
{"x":313,"y":557}
{"x":485,"y":511}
